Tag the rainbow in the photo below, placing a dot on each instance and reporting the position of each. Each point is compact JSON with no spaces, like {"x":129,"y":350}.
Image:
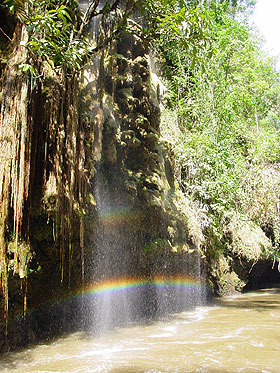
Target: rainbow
{"x":129,"y":283}
{"x":115,"y":216}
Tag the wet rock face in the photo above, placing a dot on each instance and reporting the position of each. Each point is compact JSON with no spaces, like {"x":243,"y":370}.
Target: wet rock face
{"x":135,"y":167}
{"x":112,"y":130}
{"x":137,"y":108}
{"x":123,"y":121}
{"x":223,"y":277}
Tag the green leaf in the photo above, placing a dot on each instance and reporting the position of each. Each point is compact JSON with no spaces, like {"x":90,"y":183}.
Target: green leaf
{"x":27,"y":67}
{"x":66,"y":14}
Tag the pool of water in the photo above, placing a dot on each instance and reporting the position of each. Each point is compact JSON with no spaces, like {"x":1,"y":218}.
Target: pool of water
{"x":235,"y":334}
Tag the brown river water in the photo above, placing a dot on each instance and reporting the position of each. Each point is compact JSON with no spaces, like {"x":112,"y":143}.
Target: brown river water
{"x":235,"y":334}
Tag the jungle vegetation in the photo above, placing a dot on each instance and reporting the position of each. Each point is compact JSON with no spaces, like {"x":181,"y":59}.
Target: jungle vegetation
{"x":220,"y":108}
{"x":221,"y":117}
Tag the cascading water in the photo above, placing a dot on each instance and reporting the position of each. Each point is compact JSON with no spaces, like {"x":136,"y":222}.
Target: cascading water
{"x":121,"y":293}
{"x":129,"y":279}
{"x":183,"y":289}
{"x":110,"y":260}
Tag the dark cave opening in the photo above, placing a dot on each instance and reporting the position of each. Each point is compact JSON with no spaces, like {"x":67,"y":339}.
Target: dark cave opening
{"x":263,"y":275}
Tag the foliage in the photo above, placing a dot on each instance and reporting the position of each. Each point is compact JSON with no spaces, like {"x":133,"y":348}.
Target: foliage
{"x":20,"y":255}
{"x":49,"y":35}
{"x":56,"y":30}
{"x":224,"y":94}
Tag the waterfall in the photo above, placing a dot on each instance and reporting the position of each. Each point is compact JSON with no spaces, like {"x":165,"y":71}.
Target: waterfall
{"x":180,"y":286}
{"x":128,"y":279}
{"x":110,"y":260}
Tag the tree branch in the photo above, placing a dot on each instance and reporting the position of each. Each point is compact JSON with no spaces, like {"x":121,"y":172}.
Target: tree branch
{"x":5,"y":34}
{"x":122,"y":26}
{"x":91,"y":13}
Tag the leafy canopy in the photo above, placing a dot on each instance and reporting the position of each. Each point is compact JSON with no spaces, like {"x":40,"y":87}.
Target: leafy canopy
{"x":224,"y":94}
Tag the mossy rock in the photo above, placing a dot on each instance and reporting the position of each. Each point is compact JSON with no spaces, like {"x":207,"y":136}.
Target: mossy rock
{"x":142,"y":122}
{"x":129,"y":137}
